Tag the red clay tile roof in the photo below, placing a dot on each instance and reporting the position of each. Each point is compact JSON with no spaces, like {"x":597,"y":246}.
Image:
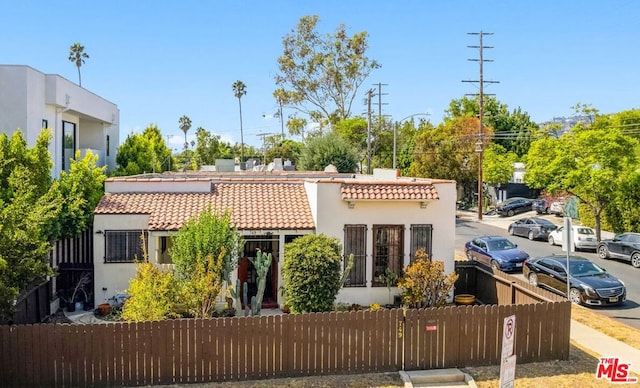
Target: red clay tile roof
{"x":254,"y":206}
{"x":390,"y":191}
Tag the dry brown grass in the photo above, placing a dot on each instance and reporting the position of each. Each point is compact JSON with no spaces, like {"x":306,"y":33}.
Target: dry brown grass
{"x":606,"y":325}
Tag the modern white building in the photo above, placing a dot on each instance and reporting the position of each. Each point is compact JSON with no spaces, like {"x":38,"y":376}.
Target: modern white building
{"x":78,"y":119}
{"x":382,"y":219}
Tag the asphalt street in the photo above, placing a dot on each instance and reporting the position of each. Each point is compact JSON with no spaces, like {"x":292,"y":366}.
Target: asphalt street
{"x":468,"y":227}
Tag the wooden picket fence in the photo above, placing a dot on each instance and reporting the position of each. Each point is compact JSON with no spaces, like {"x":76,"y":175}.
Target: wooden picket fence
{"x":244,"y":348}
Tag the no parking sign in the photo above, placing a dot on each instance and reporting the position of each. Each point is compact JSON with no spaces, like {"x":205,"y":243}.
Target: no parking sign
{"x":508,"y":360}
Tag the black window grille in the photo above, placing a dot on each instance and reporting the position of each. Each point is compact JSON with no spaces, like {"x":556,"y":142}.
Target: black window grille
{"x":388,"y":243}
{"x":124,"y":246}
{"x":421,"y":239}
{"x":355,"y":242}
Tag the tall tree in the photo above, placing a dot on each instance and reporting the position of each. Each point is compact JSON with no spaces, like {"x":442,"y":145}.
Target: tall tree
{"x":82,"y":187}
{"x":449,"y":152}
{"x":144,"y":152}
{"x":239,"y":90}
{"x":322,"y":74}
{"x":281,"y":97}
{"x":591,"y":164}
{"x":185,"y":124}
{"x":209,"y":147}
{"x":329,"y":149}
{"x":497,"y":164}
{"x":77,"y":56}
{"x":287,"y":150}
{"x":512,"y":129}
{"x":29,"y":209}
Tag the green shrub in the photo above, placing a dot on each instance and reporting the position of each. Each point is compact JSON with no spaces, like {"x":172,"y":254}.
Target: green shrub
{"x":152,"y":295}
{"x":424,"y":283}
{"x":311,"y":273}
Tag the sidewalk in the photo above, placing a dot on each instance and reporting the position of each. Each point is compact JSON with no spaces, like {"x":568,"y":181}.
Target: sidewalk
{"x":597,"y":342}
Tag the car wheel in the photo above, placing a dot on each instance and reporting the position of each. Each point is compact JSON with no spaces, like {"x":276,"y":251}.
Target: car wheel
{"x":551,"y":242}
{"x":533,"y":279}
{"x":635,"y":260}
{"x":510,"y":213}
{"x":531,"y":235}
{"x":546,"y":211}
{"x":603,"y":252}
{"x":574,"y":296}
{"x":511,"y":231}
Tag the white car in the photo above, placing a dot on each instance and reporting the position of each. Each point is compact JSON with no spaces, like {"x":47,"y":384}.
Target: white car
{"x":583,"y":237}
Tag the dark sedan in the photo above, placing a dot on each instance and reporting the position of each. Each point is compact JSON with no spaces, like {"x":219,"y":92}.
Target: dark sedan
{"x":496,"y":252}
{"x":532,"y":227}
{"x":625,"y":246}
{"x":513,"y":206}
{"x":588,"y":283}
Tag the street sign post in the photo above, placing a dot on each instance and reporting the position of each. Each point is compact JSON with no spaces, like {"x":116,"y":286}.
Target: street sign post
{"x":508,"y":359}
{"x":567,"y":246}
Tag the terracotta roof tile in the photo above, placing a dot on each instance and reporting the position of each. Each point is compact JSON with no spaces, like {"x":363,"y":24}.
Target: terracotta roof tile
{"x":253,"y":205}
{"x":388,"y":191}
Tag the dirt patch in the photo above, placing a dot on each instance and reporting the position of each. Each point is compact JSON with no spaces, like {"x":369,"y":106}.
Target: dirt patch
{"x":57,"y":317}
{"x":378,"y":380}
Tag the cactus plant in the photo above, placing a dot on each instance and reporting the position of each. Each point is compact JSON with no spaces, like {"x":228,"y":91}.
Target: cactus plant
{"x":261,"y":263}
{"x":245,"y":299}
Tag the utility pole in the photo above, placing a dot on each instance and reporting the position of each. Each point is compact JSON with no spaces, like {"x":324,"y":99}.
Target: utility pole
{"x":369,"y":96}
{"x":481,"y":82}
{"x":380,"y":104}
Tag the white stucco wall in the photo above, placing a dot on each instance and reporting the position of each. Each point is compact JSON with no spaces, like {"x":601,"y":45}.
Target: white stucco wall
{"x":28,"y":96}
{"x":112,"y":276}
{"x":332,"y":213}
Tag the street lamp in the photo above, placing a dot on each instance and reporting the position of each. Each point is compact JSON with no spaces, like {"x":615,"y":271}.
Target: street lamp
{"x":395,"y":127}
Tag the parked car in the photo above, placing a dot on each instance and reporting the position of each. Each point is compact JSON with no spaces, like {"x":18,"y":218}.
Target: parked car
{"x":557,"y":207}
{"x":625,"y":246}
{"x":515,"y":205}
{"x":532,"y":227}
{"x":496,"y":252}
{"x":583,"y":237}
{"x":589,"y":284}
{"x":541,"y":206}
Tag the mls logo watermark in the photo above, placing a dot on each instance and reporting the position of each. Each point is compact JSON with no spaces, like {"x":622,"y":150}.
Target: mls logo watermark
{"x":612,"y":369}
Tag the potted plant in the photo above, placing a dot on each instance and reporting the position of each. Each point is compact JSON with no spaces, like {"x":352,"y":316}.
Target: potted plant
{"x":73,"y":301}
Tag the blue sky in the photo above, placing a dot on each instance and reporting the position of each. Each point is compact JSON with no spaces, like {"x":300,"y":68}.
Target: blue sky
{"x":159,"y":60}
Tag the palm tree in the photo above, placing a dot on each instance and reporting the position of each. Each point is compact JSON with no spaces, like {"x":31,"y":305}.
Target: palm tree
{"x":185,"y":124}
{"x":77,"y":55}
{"x":239,"y":90}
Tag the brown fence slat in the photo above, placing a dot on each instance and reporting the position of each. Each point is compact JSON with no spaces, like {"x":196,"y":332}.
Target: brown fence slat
{"x":223,"y":349}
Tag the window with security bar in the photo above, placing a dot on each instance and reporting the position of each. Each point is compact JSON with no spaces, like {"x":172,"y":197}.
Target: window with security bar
{"x":125,"y":246}
{"x":388,"y":243}
{"x":421,"y":239}
{"x":355,"y":242}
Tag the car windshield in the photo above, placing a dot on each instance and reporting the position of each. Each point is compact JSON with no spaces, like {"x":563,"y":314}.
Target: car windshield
{"x":500,"y":245}
{"x":586,"y":268}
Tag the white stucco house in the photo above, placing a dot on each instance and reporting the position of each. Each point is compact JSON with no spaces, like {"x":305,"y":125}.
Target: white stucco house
{"x":78,"y":119}
{"x":382,"y":219}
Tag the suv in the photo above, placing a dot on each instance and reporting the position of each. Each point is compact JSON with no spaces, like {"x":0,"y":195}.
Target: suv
{"x":557,"y":207}
{"x":625,"y":246}
{"x":541,"y":206}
